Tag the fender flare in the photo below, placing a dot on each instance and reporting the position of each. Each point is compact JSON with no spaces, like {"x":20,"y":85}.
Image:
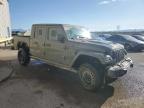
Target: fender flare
{"x":98,"y":55}
{"x":23,"y":45}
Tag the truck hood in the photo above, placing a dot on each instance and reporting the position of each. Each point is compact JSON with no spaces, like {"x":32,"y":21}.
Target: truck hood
{"x":102,"y":44}
{"x":97,"y":45}
{"x":107,"y":44}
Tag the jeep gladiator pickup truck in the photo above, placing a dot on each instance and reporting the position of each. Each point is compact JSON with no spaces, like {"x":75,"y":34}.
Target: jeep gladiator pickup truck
{"x":72,"y":48}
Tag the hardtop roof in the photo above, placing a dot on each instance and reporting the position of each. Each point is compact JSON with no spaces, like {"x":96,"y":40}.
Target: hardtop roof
{"x":56,"y":25}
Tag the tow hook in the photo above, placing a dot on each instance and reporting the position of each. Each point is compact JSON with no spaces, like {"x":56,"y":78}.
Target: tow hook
{"x":132,"y":65}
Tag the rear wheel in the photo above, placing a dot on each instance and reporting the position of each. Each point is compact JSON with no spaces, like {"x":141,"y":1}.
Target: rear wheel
{"x":90,"y":77}
{"x":23,"y":57}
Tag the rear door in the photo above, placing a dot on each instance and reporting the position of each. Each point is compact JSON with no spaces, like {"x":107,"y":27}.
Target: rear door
{"x":37,"y":41}
{"x":54,"y":48}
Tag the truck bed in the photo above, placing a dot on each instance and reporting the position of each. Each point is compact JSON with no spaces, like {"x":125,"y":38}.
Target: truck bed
{"x":18,"y":39}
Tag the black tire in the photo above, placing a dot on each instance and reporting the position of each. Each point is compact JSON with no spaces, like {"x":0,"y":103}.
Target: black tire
{"x":90,"y":77}
{"x":23,"y":57}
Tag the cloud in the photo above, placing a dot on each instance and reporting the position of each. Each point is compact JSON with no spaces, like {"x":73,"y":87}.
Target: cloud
{"x":114,"y":0}
{"x":107,"y":2}
{"x":104,"y":2}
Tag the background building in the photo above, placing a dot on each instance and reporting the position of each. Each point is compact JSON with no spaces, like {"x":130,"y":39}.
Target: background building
{"x":5,"y":24}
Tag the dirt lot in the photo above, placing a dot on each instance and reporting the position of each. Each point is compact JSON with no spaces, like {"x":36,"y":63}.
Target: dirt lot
{"x":42,"y":86}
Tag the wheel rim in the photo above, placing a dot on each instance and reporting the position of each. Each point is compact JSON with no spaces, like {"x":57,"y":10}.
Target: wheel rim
{"x":87,"y":78}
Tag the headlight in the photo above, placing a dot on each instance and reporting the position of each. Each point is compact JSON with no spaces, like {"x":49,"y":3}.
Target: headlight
{"x":108,"y":59}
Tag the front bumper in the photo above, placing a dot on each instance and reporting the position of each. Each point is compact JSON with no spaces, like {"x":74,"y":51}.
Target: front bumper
{"x":120,"y":69}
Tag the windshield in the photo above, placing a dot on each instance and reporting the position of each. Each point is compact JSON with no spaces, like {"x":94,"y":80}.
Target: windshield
{"x":76,"y":32}
{"x":128,"y":37}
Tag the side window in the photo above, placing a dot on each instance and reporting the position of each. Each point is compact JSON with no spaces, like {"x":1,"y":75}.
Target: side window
{"x":117,"y":38}
{"x":47,"y":33}
{"x":40,"y":32}
{"x":113,"y":38}
{"x":34,"y":32}
{"x":53,"y":34}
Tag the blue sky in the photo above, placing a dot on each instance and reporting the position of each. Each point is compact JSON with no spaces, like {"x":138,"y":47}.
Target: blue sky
{"x":96,"y":15}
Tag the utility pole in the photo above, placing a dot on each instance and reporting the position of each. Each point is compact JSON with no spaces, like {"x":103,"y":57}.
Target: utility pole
{"x":118,"y":27}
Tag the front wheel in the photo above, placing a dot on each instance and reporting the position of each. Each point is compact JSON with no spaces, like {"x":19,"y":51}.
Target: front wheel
{"x":90,"y":77}
{"x":23,"y":57}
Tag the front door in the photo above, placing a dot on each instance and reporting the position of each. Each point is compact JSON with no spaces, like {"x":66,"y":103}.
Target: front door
{"x":54,"y":48}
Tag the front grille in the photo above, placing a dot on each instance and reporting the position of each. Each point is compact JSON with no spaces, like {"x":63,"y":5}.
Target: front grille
{"x":119,"y":55}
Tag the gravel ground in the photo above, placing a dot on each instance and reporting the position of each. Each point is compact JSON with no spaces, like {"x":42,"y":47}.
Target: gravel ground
{"x":42,"y":86}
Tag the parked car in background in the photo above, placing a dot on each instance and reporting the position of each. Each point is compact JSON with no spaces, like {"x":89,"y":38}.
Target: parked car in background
{"x":97,"y":38}
{"x":129,"y":42}
{"x":139,"y":37}
{"x":100,"y":36}
{"x":105,"y":36}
